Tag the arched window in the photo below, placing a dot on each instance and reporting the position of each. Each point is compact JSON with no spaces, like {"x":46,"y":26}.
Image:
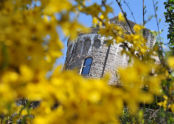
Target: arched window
{"x":86,"y":66}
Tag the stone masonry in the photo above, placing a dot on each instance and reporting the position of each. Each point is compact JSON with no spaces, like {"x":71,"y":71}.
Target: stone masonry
{"x":106,"y":59}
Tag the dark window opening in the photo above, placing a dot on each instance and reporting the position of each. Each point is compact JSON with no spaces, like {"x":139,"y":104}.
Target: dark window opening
{"x":86,"y":66}
{"x":97,"y":43}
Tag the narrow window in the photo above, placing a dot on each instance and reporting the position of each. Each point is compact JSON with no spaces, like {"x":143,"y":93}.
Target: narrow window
{"x":86,"y":66}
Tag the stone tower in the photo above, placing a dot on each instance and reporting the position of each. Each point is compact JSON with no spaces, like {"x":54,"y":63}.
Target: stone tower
{"x":93,"y":58}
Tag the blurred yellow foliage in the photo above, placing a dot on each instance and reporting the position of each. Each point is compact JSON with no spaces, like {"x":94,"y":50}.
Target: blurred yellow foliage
{"x":29,"y":47}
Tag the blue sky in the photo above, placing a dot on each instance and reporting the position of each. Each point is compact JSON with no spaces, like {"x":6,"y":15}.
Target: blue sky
{"x":136,"y":7}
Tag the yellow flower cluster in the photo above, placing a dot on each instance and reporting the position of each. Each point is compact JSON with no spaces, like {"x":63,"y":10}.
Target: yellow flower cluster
{"x":29,"y":46}
{"x":79,"y":100}
{"x":136,"y":42}
{"x":140,"y":80}
{"x":168,"y":100}
{"x":97,"y":22}
{"x":29,"y":43}
{"x":167,"y":104}
{"x":121,"y":17}
{"x":170,"y":62}
{"x":164,"y":103}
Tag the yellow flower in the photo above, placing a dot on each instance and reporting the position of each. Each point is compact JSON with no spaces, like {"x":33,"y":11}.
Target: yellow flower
{"x":121,"y":17}
{"x":26,"y":73}
{"x":94,"y":96}
{"x":171,"y":106}
{"x":170,"y":62}
{"x":95,"y":21}
{"x":10,"y":76}
{"x":119,"y":39}
{"x":102,"y":17}
{"x":165,"y":97}
{"x":55,"y":6}
{"x":137,"y":28}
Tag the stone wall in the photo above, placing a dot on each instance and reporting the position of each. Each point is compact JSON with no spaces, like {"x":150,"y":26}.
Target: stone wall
{"x":93,"y":45}
{"x":106,"y":59}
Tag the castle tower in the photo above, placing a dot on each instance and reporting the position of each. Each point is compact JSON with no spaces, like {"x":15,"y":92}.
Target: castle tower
{"x":92,"y":57}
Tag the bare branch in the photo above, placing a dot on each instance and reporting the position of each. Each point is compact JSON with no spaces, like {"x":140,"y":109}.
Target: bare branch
{"x":143,"y":14}
{"x":130,"y":10}
{"x":124,"y":14}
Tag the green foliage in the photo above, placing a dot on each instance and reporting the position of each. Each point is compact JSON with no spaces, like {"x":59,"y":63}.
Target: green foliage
{"x":147,"y":116}
{"x":22,"y":114}
{"x":169,"y":15}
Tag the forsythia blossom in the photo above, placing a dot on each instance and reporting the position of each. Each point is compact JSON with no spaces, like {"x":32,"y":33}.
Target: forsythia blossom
{"x":29,"y":47}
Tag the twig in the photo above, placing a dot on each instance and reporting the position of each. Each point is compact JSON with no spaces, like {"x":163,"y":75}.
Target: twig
{"x":156,"y":17}
{"x":160,"y":50}
{"x":143,"y":13}
{"x":96,"y":16}
{"x":130,"y":10}
{"x":124,"y":14}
